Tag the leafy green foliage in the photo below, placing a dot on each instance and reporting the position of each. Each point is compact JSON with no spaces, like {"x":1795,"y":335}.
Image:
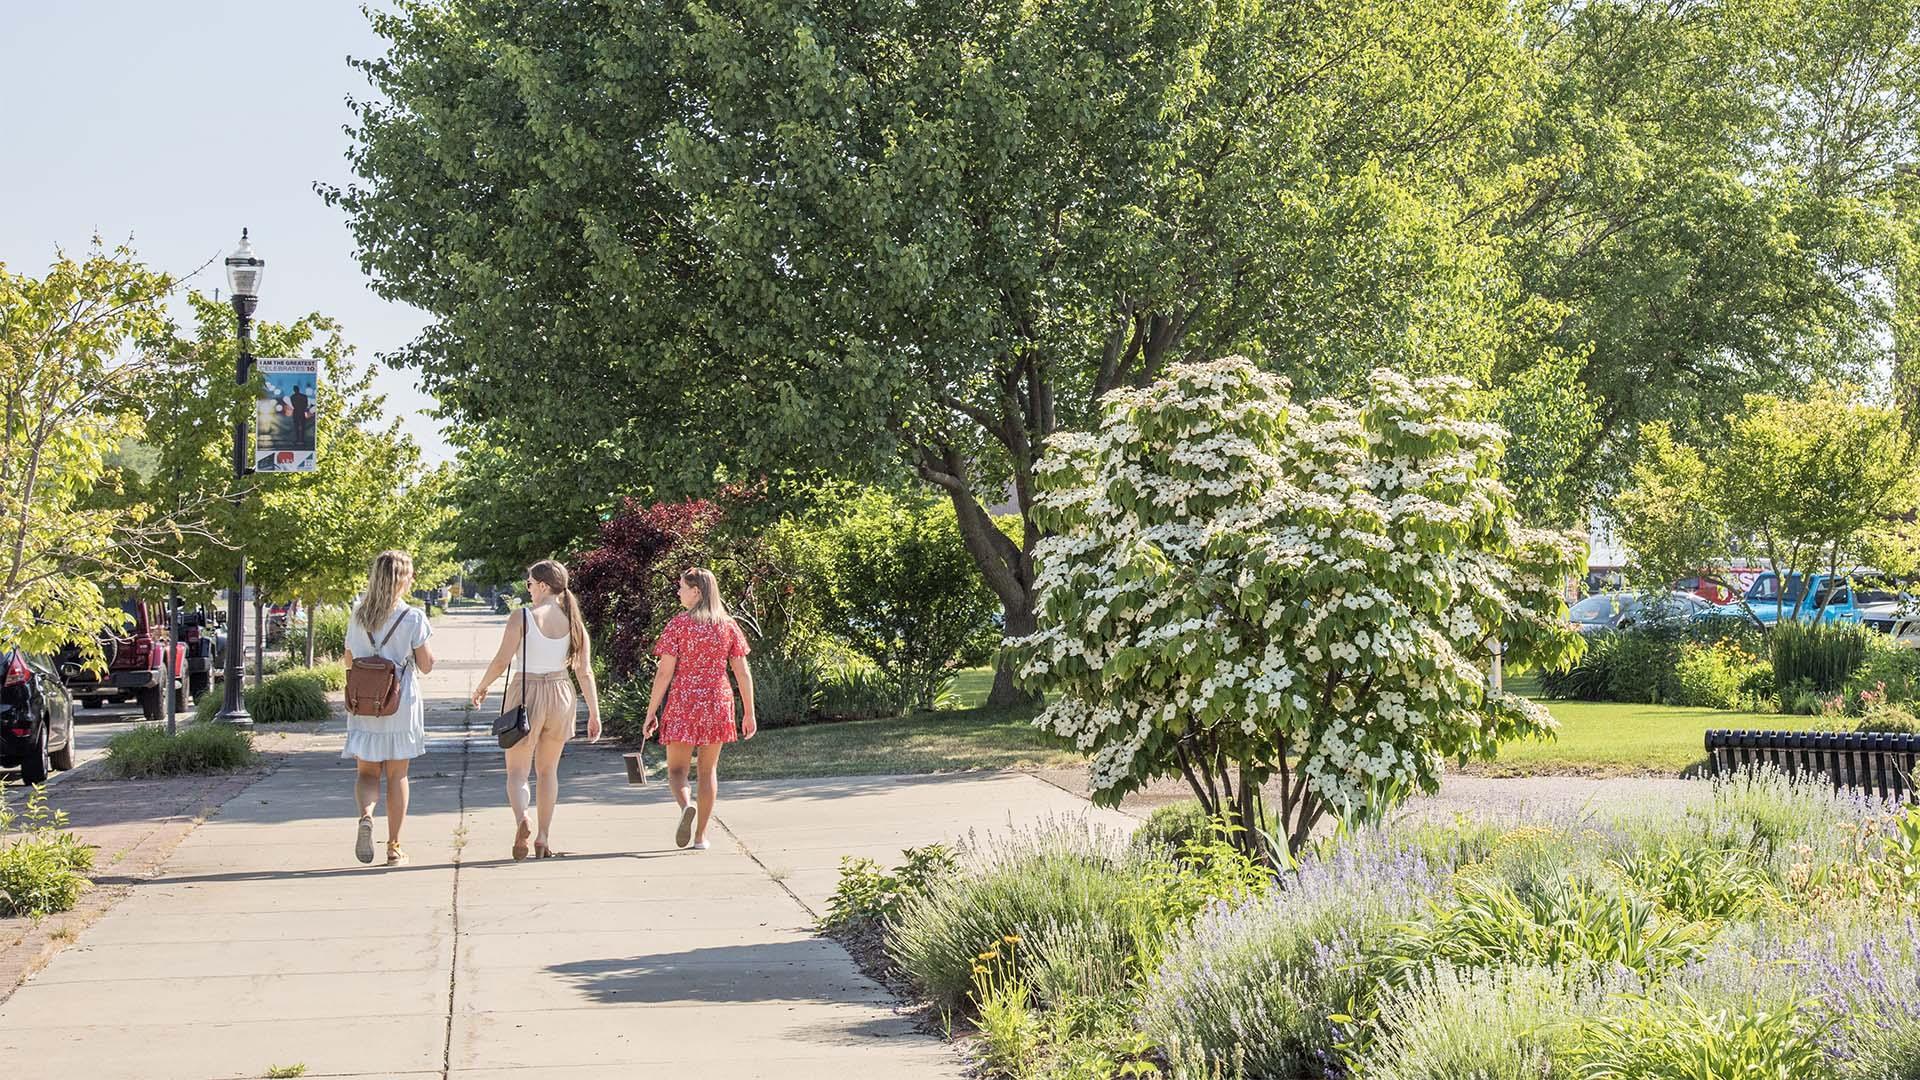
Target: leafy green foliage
{"x":292,"y":697}
{"x":902,"y":591}
{"x":1238,"y":585}
{"x":1819,"y":656}
{"x":76,"y":361}
{"x":43,"y":868}
{"x":1675,"y":1035}
{"x":198,"y":748}
{"x":867,"y":894}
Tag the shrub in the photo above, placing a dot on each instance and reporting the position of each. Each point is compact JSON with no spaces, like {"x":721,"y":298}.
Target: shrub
{"x":330,"y":632}
{"x":1575,"y":921}
{"x":1719,"y":675}
{"x":904,"y":591}
{"x":868,"y":894}
{"x":1503,"y":1024}
{"x":1821,"y":656}
{"x":43,"y":870}
{"x":198,"y":748}
{"x":786,"y":689}
{"x":623,"y":709}
{"x":292,"y":697}
{"x":858,"y":692}
{"x":1675,"y":1036}
{"x":1893,"y":670}
{"x":1169,"y":829}
{"x":1216,"y":553}
{"x":1057,"y":877}
{"x":1261,"y":985}
{"x":1890,"y":718}
{"x":1009,"y":1034}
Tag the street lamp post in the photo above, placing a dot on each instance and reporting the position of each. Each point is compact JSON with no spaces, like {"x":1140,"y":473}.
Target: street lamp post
{"x":244,"y":270}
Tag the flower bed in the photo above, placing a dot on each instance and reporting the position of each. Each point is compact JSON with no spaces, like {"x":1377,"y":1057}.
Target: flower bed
{"x":1767,"y":933}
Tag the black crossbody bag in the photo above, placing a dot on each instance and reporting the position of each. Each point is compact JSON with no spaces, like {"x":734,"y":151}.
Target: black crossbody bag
{"x":511,"y":725}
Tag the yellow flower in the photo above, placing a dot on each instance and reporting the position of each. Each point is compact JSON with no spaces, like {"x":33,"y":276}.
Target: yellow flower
{"x":1011,"y":939}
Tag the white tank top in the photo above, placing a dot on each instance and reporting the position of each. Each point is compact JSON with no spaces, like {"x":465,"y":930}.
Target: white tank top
{"x":545,"y":655}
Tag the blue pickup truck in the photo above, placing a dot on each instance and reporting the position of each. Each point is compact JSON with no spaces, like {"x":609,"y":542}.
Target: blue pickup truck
{"x":1832,"y":598}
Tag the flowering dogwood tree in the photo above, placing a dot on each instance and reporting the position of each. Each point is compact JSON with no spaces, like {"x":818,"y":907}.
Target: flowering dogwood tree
{"x":1250,"y":591}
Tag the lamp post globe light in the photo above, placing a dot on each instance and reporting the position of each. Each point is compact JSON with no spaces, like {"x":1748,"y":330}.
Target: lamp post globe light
{"x":244,"y":270}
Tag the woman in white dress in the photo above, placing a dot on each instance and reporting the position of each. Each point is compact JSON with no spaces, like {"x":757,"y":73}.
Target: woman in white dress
{"x":385,"y":746}
{"x":555,"y":643}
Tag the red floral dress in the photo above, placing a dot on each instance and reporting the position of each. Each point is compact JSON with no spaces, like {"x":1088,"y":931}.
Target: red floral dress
{"x":699,"y":707}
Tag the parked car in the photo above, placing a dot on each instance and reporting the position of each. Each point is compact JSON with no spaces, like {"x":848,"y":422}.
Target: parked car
{"x":143,"y":665}
{"x":36,"y":717}
{"x":206,"y":650}
{"x":1828,"y":598}
{"x":1603,"y":613}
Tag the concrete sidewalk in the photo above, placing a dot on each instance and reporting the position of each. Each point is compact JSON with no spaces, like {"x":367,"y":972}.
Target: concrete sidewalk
{"x":263,"y":943}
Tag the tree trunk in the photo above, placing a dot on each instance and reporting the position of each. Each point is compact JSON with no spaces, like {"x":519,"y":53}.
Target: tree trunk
{"x":259,"y":639}
{"x":1020,"y":623}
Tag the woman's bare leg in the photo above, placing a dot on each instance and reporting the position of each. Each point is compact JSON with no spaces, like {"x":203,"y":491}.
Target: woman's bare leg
{"x":366,"y":785}
{"x":519,"y":765}
{"x":546,"y":784}
{"x":709,"y":788}
{"x":397,"y":793}
{"x":679,"y":764}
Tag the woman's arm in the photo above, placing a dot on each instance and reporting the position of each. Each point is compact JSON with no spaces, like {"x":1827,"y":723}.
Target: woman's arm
{"x":423,"y":658}
{"x":509,"y":644}
{"x":583,"y":672}
{"x":662,"y":675}
{"x":743,"y":678}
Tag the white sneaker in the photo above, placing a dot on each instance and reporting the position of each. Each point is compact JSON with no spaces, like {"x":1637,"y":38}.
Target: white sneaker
{"x":684,"y":833}
{"x":702,"y":845}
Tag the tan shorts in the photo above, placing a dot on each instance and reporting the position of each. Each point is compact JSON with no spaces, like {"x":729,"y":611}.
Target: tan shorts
{"x":550,"y":712}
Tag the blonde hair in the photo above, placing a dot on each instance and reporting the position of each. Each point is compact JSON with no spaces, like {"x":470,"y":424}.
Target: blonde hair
{"x":383,"y":590}
{"x":710,"y":608}
{"x":554,"y":576}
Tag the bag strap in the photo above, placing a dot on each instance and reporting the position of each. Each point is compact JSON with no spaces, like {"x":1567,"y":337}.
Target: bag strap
{"x":524,"y":623}
{"x":391,"y":630}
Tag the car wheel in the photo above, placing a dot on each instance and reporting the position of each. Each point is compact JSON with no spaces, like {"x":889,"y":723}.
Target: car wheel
{"x":35,"y":764}
{"x":150,"y":704}
{"x":180,"y":702}
{"x":198,"y":683}
{"x":62,"y":759}
{"x":93,"y":703}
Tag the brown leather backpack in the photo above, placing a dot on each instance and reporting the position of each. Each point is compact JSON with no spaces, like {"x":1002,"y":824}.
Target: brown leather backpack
{"x":373,"y":682}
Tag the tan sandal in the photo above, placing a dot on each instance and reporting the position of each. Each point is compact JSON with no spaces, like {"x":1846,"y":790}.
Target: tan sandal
{"x":395,"y":856}
{"x":542,"y":851}
{"x":520,"y":837}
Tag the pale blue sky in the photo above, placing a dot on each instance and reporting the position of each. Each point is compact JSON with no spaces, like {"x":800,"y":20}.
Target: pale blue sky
{"x":177,"y":122}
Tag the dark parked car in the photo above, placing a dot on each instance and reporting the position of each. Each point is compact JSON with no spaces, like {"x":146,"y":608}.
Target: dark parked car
{"x":143,"y":664}
{"x":36,"y":718}
{"x":1606,"y":612}
{"x":206,"y":650}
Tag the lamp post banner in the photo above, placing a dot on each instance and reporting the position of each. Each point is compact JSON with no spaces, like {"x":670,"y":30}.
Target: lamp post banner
{"x":285,"y":416}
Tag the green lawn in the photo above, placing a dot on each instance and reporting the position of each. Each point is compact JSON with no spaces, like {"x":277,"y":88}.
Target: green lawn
{"x":1604,"y":738}
{"x":949,"y":741}
{"x":1597,"y":738}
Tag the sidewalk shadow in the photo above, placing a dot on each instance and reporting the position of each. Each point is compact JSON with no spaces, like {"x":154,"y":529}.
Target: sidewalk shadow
{"x":321,"y":873}
{"x":788,"y":971}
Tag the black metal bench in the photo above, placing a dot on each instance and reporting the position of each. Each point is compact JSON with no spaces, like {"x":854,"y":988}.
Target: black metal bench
{"x":1878,"y":763}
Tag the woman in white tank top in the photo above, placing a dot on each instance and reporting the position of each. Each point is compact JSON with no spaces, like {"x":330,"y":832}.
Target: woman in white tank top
{"x":555,"y":642}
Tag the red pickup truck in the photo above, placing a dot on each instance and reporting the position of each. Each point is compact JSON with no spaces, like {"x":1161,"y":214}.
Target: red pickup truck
{"x":143,"y":664}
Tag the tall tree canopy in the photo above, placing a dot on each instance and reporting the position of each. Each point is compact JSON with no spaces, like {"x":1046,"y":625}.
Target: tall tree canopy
{"x":666,"y":240}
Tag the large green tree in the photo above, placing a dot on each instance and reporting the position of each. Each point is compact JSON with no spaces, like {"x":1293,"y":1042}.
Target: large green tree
{"x":74,"y":371}
{"x":1714,"y":204}
{"x":670,"y":240}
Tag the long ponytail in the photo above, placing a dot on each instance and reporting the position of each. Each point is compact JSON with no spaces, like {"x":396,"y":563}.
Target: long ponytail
{"x":576,"y":626}
{"x":554,"y":576}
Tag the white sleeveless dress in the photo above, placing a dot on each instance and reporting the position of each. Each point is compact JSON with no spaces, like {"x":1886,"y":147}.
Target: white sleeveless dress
{"x":404,"y":734}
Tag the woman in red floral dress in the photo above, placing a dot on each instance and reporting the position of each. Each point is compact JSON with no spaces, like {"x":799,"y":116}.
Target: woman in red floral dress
{"x":696,"y":650}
